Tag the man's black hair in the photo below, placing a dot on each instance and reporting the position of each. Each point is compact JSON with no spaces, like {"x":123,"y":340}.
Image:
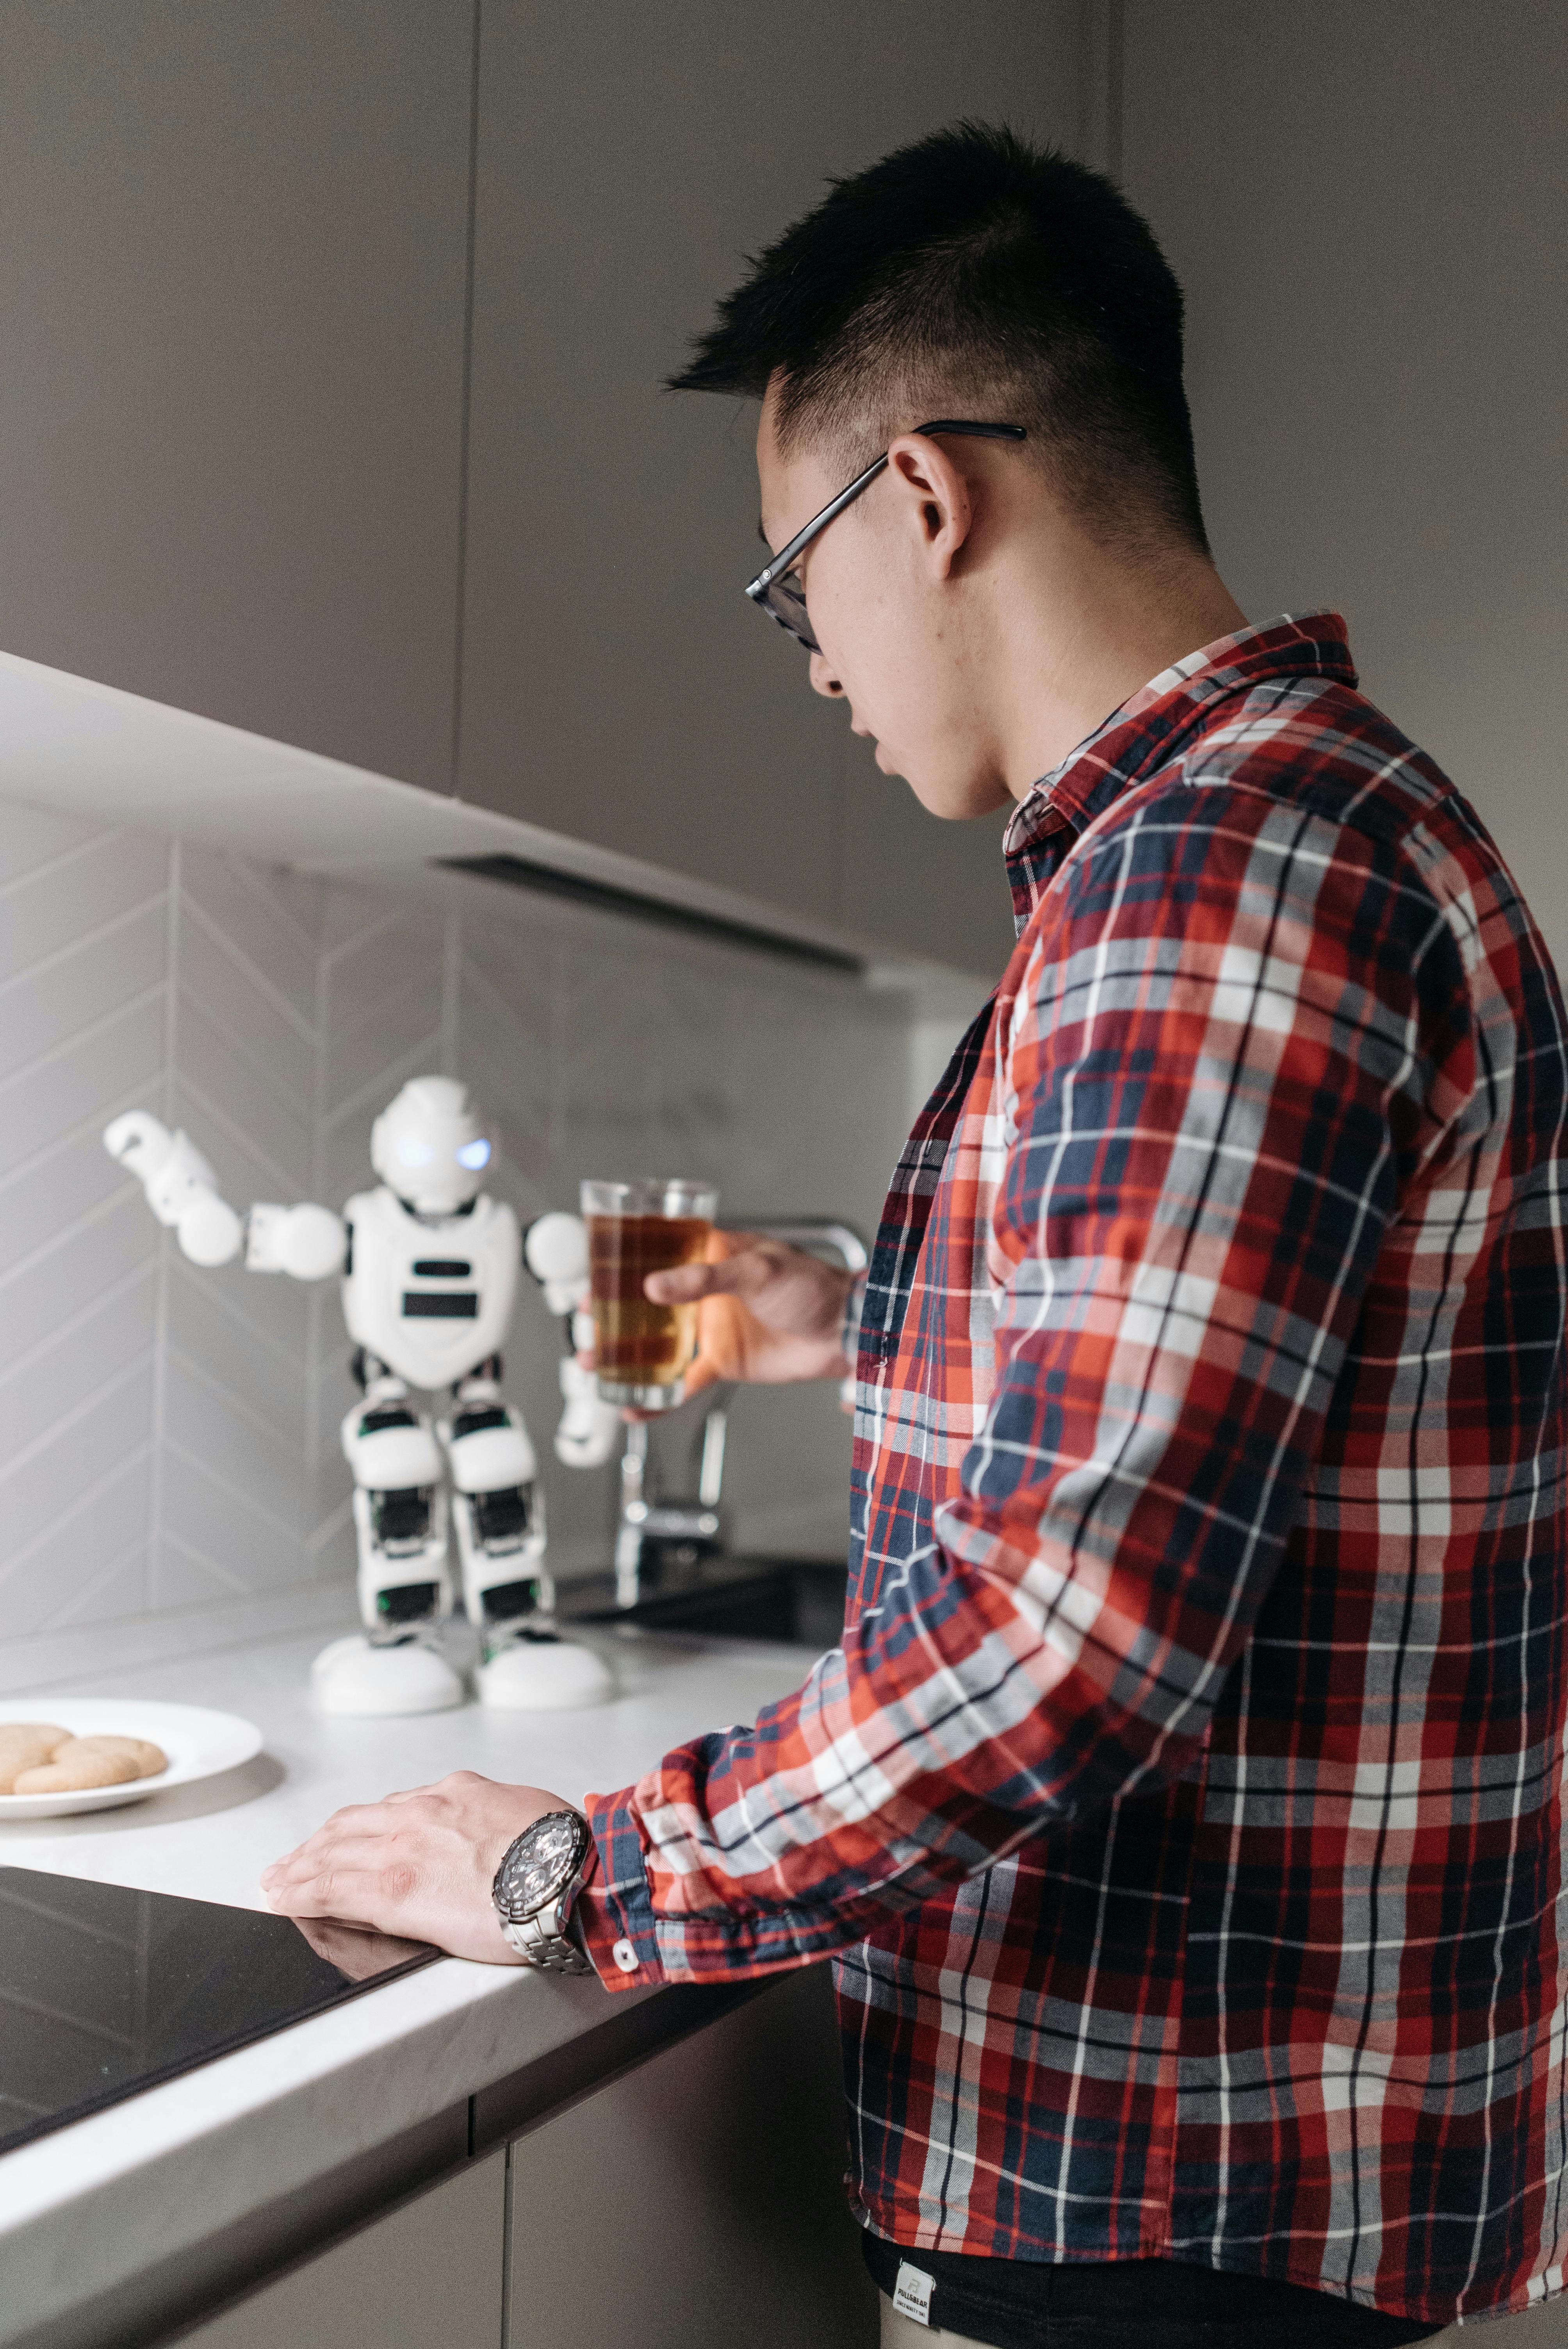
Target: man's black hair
{"x":973,"y":274}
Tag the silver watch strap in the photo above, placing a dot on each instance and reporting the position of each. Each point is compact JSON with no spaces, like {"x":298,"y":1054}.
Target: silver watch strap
{"x":551,"y":1952}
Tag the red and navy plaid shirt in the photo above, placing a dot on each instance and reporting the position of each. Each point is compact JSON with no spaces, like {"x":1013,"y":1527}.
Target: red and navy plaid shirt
{"x":1185,"y":1807}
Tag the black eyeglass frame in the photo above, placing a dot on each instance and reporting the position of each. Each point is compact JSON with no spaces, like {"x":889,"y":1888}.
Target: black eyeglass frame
{"x":771,"y":583}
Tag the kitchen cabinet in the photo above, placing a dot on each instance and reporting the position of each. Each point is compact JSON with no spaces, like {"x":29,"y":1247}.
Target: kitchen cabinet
{"x":616,"y":685}
{"x":230,"y":406}
{"x":428,"y":2276}
{"x":694,"y":2203}
{"x":331,"y":407}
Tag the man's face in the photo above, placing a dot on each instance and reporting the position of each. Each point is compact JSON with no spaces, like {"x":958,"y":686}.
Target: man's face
{"x":893,"y":632}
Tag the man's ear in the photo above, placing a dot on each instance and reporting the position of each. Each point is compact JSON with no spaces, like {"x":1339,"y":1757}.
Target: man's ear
{"x":936,"y":497}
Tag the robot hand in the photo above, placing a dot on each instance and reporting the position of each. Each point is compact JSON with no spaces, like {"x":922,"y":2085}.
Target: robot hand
{"x":590,"y":1430}
{"x":181,"y":1188}
{"x":555,"y":1250}
{"x":182,"y":1191}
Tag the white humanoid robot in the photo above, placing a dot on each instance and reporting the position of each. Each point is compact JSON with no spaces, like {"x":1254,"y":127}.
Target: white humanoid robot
{"x":430,"y":1264}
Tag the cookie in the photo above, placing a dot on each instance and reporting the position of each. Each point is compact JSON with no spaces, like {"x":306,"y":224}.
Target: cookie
{"x":26,"y":1746}
{"x":150,"y":1759}
{"x":83,"y":1762}
{"x":79,"y":1771}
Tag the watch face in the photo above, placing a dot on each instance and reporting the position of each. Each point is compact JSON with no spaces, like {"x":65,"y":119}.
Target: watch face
{"x":541,"y":1862}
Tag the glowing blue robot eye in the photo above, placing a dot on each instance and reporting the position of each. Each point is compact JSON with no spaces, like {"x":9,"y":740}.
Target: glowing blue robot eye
{"x":474,"y":1155}
{"x":414,"y":1153}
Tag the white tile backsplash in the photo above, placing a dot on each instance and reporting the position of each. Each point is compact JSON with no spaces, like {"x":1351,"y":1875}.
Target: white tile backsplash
{"x":169,"y":1450}
{"x":118,"y":1063}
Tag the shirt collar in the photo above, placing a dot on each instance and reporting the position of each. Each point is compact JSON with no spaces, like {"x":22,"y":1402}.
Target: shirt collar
{"x":1134,"y":739}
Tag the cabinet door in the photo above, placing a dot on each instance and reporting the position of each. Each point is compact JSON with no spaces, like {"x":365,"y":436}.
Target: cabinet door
{"x":428,"y":2277}
{"x":698,"y":2203}
{"x":617,"y":684}
{"x":231,"y":407}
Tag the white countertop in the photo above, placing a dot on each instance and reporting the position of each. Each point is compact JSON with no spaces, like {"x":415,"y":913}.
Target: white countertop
{"x":92,"y":2204}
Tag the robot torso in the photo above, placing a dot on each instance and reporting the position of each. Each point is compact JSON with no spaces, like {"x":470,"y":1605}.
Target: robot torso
{"x":432,"y":1296}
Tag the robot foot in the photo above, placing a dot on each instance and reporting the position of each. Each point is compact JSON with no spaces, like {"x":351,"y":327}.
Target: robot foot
{"x":357,"y":1676}
{"x":538,"y":1673}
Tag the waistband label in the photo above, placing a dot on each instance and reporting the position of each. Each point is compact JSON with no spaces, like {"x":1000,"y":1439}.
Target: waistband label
{"x":912,"y":2297}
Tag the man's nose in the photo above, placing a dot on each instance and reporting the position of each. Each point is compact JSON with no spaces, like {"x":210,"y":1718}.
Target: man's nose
{"x":824,"y":681}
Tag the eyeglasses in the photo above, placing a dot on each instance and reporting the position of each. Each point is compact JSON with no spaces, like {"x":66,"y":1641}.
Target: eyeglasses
{"x":780,"y":595}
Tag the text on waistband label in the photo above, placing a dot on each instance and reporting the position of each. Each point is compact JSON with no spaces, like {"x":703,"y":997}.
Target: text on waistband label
{"x":912,"y":2297}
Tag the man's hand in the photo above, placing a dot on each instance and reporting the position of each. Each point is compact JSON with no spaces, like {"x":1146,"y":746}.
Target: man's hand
{"x":421,"y":1864}
{"x":771,"y":1314}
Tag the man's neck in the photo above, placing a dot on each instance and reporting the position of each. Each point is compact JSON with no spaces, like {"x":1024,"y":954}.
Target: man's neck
{"x":1083,"y":632}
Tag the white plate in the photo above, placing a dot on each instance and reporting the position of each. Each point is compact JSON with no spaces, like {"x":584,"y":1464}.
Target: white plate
{"x":199,"y":1744}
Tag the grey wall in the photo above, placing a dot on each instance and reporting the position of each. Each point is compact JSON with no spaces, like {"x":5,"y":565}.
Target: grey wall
{"x":615,"y":682}
{"x":1364,"y":203}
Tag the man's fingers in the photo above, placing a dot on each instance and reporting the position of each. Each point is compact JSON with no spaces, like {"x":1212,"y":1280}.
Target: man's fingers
{"x":356,"y":1895}
{"x":328,"y":1848}
{"x":737,"y":1275}
{"x":700,"y":1373}
{"x":682,"y":1283}
{"x":369,"y":1859}
{"x":357,"y":1818}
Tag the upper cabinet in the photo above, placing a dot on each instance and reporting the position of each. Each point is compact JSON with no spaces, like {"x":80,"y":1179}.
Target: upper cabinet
{"x":616,"y":684}
{"x":231,"y":394}
{"x":331,"y":406}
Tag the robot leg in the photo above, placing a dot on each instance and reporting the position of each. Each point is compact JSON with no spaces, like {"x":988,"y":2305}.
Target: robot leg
{"x":399,"y":1516}
{"x":500,"y":1513}
{"x":393,"y":1665}
{"x":509,"y":1595}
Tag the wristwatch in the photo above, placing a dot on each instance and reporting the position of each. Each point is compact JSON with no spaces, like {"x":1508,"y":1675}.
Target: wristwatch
{"x":540,"y":1877}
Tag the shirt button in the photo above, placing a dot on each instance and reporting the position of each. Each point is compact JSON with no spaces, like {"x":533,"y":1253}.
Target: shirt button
{"x":625,"y":1957}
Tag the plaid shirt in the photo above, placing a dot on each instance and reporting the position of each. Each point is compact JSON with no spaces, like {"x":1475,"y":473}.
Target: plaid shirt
{"x":1183,"y":1807}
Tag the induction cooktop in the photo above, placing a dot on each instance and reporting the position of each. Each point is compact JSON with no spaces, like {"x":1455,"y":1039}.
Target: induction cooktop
{"x":104,"y":1992}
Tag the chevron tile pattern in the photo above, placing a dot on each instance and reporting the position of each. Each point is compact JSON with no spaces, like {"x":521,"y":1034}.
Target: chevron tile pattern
{"x":168,"y":1441}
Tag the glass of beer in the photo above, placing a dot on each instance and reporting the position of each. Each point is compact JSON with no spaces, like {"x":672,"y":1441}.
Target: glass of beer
{"x":643,"y":1350}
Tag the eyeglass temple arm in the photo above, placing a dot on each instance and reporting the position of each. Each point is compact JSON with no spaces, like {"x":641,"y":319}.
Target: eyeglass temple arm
{"x":782,"y":560}
{"x":786,"y":555}
{"x":975,"y":432}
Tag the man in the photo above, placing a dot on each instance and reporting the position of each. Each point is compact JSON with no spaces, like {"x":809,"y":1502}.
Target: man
{"x":1182,"y":1810}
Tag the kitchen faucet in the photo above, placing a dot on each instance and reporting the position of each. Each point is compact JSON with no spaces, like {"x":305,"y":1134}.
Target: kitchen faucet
{"x":695,"y":1523}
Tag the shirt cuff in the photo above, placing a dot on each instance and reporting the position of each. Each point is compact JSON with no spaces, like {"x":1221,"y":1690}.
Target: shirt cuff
{"x":614,"y":1909}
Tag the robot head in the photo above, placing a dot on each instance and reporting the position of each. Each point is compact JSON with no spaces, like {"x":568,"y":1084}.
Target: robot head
{"x":429,"y":1146}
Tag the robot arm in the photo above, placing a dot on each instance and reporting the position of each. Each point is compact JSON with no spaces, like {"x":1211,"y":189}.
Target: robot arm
{"x":555,"y":1250}
{"x":181,"y":1188}
{"x":307,"y":1241}
{"x":182,"y":1191}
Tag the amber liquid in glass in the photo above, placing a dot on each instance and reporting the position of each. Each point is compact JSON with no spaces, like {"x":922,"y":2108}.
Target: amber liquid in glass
{"x":636,"y":1341}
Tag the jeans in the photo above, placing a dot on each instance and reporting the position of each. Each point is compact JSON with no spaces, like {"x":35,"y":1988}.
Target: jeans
{"x":1125,"y":2304}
